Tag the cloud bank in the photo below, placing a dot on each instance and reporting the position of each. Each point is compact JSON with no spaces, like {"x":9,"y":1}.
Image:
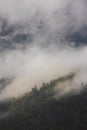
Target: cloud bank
{"x":48,"y":22}
{"x":35,"y":66}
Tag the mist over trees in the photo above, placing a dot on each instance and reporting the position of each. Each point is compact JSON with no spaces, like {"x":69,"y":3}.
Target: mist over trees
{"x":43,"y":65}
{"x":42,"y":110}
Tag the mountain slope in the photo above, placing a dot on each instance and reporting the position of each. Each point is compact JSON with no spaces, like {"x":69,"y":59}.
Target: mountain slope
{"x":40,"y":110}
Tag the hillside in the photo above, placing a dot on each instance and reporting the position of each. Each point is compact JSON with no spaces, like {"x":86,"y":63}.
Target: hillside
{"x":40,"y":110}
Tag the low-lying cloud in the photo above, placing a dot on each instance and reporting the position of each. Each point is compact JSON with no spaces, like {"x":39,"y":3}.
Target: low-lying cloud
{"x":37,"y":65}
{"x":47,"y":22}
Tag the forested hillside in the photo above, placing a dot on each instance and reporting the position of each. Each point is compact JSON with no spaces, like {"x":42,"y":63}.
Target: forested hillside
{"x":41,"y":110}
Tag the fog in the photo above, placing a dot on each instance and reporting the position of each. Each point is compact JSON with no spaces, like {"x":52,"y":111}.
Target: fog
{"x":67,"y":10}
{"x":36,"y":64}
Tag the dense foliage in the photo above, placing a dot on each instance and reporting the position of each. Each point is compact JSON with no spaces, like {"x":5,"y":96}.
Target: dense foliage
{"x":40,"y":110}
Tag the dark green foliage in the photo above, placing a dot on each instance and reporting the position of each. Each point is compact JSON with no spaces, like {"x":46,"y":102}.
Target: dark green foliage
{"x":38,"y":110}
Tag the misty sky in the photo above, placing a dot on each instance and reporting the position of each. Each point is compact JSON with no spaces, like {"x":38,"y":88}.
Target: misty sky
{"x":47,"y":22}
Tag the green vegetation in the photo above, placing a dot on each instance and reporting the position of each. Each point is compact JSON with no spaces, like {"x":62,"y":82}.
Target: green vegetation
{"x":38,"y":110}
